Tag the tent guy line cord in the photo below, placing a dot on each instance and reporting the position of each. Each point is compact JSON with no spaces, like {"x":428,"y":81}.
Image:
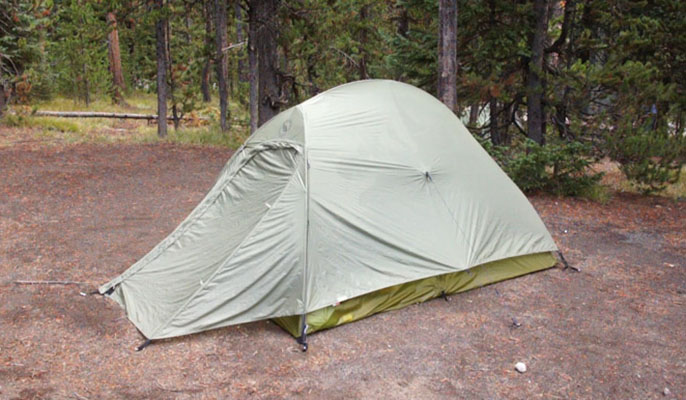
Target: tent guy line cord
{"x":566,"y":264}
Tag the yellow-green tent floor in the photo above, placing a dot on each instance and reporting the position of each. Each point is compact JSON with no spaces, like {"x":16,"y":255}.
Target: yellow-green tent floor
{"x":399,"y":296}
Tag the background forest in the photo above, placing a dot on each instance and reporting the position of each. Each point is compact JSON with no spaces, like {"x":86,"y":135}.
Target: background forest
{"x":548,"y":87}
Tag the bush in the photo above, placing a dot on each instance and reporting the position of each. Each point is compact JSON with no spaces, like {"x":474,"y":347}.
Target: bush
{"x":650,"y":159}
{"x":560,"y":168}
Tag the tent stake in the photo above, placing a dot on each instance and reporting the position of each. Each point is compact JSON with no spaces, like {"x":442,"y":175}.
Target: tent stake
{"x":144,"y":345}
{"x":302,"y":340}
{"x":444,"y":296}
{"x":566,"y":264}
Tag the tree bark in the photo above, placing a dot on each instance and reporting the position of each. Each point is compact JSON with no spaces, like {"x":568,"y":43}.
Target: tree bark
{"x":3,"y":91}
{"x":447,"y":53}
{"x":362,"y":65}
{"x":118,"y":85}
{"x":205,"y":77}
{"x":402,"y":25}
{"x":253,"y":67}
{"x":567,"y":51}
{"x":243,"y":75}
{"x":3,"y":98}
{"x":534,"y":92}
{"x":161,"y":47}
{"x":473,"y":115}
{"x":86,"y":88}
{"x":222,"y":61}
{"x":171,"y":78}
{"x":498,"y":136}
{"x":268,"y":81}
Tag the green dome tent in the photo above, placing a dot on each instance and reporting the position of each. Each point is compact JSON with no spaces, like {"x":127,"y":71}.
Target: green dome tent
{"x":368,"y":197}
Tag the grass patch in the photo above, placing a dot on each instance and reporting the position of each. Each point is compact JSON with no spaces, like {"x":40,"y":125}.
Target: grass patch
{"x":138,"y":102}
{"x":615,"y":181}
{"x":45,"y":123}
{"x":678,"y":190}
{"x":210,"y":135}
{"x":598,"y":193}
{"x":202,"y":129}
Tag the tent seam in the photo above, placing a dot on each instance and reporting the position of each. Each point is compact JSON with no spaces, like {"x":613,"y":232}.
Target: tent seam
{"x":305,"y":283}
{"x":220,"y":267}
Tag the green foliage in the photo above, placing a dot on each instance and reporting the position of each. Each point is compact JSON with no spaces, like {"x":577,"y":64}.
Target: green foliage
{"x":208,"y":136}
{"x":415,"y":54}
{"x":561,"y":168}
{"x":22,"y":27}
{"x":46,"y":123}
{"x":615,"y":80}
{"x":651,"y":159}
{"x":78,"y":50}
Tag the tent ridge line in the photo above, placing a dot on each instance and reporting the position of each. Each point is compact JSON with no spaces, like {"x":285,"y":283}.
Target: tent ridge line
{"x":222,"y":265}
{"x":175,"y":236}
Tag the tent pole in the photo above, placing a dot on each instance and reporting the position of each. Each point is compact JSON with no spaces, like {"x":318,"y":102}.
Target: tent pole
{"x":303,"y":318}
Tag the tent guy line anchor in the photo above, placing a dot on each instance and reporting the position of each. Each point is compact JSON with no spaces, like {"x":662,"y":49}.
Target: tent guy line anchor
{"x":444,"y":296}
{"x":566,"y":264}
{"x":144,"y":345}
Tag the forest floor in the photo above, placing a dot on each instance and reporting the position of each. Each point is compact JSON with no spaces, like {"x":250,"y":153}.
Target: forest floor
{"x":85,"y":212}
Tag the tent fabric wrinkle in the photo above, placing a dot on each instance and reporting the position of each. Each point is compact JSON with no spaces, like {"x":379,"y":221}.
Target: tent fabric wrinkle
{"x":367,"y":197}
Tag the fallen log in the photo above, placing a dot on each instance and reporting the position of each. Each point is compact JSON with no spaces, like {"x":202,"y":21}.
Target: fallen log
{"x":93,"y":114}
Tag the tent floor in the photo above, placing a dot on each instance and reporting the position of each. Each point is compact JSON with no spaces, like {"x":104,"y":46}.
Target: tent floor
{"x":402,"y":295}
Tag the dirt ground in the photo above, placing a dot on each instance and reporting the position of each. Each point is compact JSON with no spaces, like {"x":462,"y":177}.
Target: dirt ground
{"x":84,"y":213}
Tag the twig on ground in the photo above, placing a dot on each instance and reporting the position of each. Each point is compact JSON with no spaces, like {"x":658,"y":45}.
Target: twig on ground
{"x":78,"y":396}
{"x":49,"y":283}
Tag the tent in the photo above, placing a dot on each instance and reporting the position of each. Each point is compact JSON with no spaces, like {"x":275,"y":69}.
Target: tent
{"x":368,"y":197}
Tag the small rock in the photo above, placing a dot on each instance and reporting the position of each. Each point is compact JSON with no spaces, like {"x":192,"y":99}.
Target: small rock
{"x":666,"y":392}
{"x":520,"y":367}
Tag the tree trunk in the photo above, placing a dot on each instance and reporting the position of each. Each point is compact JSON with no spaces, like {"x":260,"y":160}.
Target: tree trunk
{"x":86,"y":89}
{"x":118,"y":85}
{"x":207,"y":66}
{"x":253,"y":66}
{"x":496,"y":128}
{"x":268,"y":81}
{"x":243,"y":75}
{"x":534,"y":90}
{"x":222,"y":61}
{"x":3,"y":97}
{"x":473,"y":115}
{"x":447,"y":53}
{"x":568,"y":52}
{"x":402,"y":25}
{"x":171,"y":77}
{"x":362,"y":65}
{"x":161,"y":48}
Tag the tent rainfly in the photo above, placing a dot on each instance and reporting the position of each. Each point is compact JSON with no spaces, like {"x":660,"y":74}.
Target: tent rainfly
{"x":368,"y":197}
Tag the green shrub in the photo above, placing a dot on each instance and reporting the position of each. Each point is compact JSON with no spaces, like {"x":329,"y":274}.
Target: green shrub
{"x":650,"y":159}
{"x":560,"y":168}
